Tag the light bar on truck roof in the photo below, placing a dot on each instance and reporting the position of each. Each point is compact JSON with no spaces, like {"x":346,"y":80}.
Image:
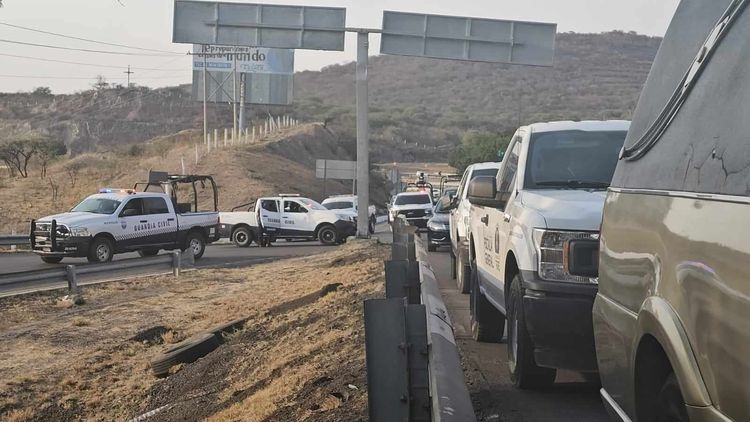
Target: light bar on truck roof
{"x":111,"y":190}
{"x":289,"y":195}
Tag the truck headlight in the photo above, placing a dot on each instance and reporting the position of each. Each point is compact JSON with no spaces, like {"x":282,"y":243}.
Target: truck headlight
{"x":552,"y":248}
{"x":345,"y":217}
{"x":79,"y":232}
{"x":437,"y":227}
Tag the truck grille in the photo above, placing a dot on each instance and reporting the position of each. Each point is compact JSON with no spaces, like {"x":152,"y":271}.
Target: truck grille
{"x":412,"y":213}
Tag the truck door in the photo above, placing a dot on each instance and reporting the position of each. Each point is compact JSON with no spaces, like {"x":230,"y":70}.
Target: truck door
{"x":133,"y":228}
{"x":270,"y":218}
{"x":165,"y":230}
{"x":295,"y":220}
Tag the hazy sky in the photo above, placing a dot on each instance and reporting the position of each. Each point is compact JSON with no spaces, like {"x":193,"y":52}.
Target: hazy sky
{"x":148,"y":23}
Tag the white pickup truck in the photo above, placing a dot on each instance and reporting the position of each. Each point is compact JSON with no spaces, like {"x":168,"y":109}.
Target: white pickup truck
{"x":285,"y":217}
{"x":122,"y":220}
{"x":532,"y":228}
{"x":347,"y":204}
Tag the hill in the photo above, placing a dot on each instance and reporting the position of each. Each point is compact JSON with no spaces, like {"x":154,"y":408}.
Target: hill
{"x":280,"y":163}
{"x":419,"y":109}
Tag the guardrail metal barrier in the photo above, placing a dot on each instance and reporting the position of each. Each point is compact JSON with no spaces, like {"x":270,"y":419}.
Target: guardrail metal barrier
{"x":414,"y":371}
{"x":14,"y":240}
{"x":72,"y":276}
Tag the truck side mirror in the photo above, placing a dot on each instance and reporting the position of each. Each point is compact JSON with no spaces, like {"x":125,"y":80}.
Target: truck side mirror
{"x":483,"y":191}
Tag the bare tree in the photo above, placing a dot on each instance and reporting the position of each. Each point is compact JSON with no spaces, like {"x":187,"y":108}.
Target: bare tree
{"x":49,"y":150}
{"x":73,"y":169}
{"x":17,"y":154}
{"x":54,"y":188}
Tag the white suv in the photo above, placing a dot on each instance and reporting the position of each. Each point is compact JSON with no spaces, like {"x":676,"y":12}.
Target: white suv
{"x":459,"y":223}
{"x":416,"y":207}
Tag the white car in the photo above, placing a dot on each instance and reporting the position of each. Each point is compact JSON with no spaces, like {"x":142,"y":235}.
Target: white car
{"x":286,"y":217}
{"x":416,"y":207}
{"x":122,"y":220}
{"x":347,"y":204}
{"x":459,"y":222}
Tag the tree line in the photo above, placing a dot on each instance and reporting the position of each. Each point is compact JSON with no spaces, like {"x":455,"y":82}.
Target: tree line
{"x":18,"y":151}
{"x":479,"y":147}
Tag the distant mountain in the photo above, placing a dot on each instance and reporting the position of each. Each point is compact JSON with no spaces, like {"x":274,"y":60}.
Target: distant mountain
{"x":419,"y":109}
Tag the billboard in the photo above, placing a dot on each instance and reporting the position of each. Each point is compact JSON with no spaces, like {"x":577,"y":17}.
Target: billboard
{"x":471,"y":39}
{"x":335,"y":169}
{"x":262,"y":25}
{"x":220,"y":58}
{"x":260,"y":88}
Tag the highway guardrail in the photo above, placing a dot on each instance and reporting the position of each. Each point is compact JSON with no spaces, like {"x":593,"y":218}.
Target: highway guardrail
{"x":14,"y":240}
{"x":414,"y":370}
{"x":73,"y":276}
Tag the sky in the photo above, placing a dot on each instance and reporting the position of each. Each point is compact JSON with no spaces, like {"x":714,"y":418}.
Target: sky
{"x":148,"y":23}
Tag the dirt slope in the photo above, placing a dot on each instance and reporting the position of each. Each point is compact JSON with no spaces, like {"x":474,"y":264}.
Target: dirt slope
{"x":282,"y":162}
{"x":300,"y":357}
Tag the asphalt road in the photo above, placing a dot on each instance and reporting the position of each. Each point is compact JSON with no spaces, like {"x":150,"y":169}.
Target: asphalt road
{"x":486,"y":371}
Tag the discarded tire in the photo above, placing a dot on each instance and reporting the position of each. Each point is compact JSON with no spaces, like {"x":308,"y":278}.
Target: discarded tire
{"x":227,"y":328}
{"x":187,"y":351}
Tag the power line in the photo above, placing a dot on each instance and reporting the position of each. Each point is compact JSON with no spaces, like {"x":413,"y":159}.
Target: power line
{"x":84,"y":39}
{"x":86,"y":50}
{"x":41,"y":59}
{"x":82,"y":77}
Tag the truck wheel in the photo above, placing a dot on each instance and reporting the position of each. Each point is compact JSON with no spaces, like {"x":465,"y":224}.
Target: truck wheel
{"x":463,"y":275}
{"x":101,"y":250}
{"x":197,"y":243}
{"x":487,"y":323}
{"x":524,"y":372}
{"x":670,"y":406}
{"x":242,"y":237}
{"x":51,"y":259}
{"x":327,"y":235}
{"x":148,"y":252}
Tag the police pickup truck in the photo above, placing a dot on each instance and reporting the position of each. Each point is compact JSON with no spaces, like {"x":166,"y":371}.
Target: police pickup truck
{"x":347,"y":204}
{"x":118,"y":220}
{"x":285,"y":217}
{"x":125,"y":220}
{"x":534,"y":234}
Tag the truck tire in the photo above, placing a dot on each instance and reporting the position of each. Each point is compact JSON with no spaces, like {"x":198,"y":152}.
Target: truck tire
{"x":187,"y":351}
{"x":196,"y":241}
{"x":463,"y":275}
{"x":487,"y":323}
{"x":524,"y":372}
{"x":327,"y":235}
{"x":670,"y":406}
{"x":148,"y":252}
{"x":51,"y":259}
{"x":101,"y":250}
{"x":242,"y":237}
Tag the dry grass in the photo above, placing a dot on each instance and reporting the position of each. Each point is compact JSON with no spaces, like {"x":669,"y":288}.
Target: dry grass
{"x":20,"y":415}
{"x":242,"y":173}
{"x":273,"y":361}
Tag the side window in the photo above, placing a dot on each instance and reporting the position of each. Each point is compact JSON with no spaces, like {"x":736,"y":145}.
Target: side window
{"x":507,"y":178}
{"x":155,"y":206}
{"x":294,"y":207}
{"x":132,"y":208}
{"x":269,"y":205}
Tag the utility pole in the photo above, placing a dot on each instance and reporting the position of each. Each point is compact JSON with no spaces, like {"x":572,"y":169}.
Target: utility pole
{"x":234,"y":93}
{"x":128,"y":72}
{"x":205,"y":99}
{"x":363,"y":136}
{"x":242,"y":102}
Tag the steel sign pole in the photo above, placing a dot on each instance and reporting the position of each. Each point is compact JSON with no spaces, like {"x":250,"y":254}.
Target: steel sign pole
{"x":205,"y":100}
{"x":363,"y":137}
{"x":234,"y":94}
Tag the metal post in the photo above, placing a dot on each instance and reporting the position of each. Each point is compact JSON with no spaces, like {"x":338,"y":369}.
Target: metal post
{"x":363,"y":137}
{"x":72,"y":279}
{"x":205,"y":100}
{"x":242,"y":103}
{"x":216,"y":138}
{"x":226,"y":135}
{"x":196,"y":153}
{"x":234,"y":94}
{"x":325,"y":177}
{"x":176,"y":262}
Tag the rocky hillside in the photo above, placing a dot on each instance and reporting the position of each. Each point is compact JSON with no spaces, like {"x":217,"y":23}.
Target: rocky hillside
{"x":416,"y":104}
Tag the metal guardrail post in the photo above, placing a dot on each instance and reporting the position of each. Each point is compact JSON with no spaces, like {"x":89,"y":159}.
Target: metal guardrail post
{"x":402,"y":280}
{"x":176,"y":262}
{"x":72,"y":279}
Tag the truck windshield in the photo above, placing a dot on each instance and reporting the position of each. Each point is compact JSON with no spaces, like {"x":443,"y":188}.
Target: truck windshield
{"x":338,"y":205}
{"x":412,"y":200}
{"x":573,"y":159}
{"x":97,"y":206}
